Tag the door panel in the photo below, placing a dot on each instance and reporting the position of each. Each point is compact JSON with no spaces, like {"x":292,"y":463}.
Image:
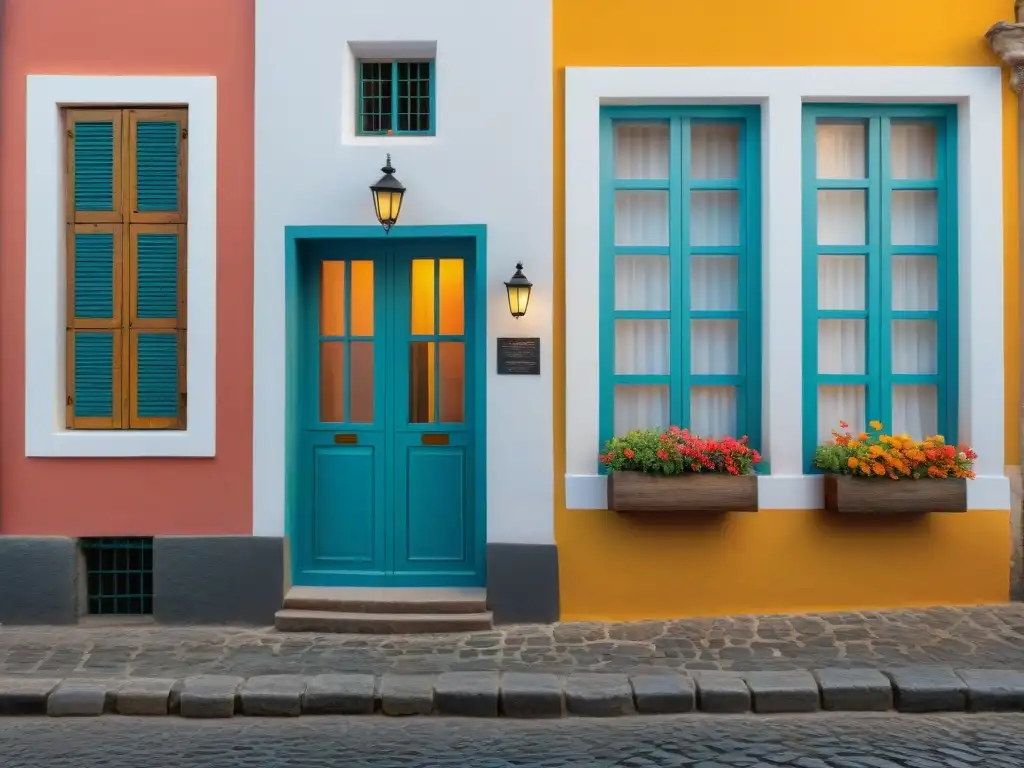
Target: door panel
{"x":346,"y":528}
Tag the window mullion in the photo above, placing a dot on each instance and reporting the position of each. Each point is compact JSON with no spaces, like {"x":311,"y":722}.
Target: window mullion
{"x":878,"y":226}
{"x":809,"y":277}
{"x":679,"y":296}
{"x":948,"y":360}
{"x":606,"y":288}
{"x":394,"y":96}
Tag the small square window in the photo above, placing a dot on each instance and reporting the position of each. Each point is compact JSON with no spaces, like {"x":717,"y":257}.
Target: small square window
{"x":396,"y":97}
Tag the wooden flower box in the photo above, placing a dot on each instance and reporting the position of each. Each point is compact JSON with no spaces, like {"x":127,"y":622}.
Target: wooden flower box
{"x":881,"y":496}
{"x":689,"y":492}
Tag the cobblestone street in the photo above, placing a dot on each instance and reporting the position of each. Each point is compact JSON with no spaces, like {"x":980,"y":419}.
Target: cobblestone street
{"x":979,"y":637}
{"x":819,"y":741}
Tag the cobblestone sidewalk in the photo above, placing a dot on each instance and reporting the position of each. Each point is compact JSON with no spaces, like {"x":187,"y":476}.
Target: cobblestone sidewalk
{"x":976,"y":637}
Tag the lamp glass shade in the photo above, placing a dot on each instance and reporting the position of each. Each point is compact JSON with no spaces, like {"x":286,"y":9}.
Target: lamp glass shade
{"x":518,"y":289}
{"x":387,"y":204}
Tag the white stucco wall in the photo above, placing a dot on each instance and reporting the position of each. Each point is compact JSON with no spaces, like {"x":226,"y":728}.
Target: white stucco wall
{"x":490,"y":162}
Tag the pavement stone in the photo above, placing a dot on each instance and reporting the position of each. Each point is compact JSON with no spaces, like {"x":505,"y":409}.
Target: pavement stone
{"x":402,"y":695}
{"x":531,"y":695}
{"x":722,"y":694}
{"x":25,"y":696}
{"x":663,"y":694}
{"x":80,"y":698}
{"x":144,"y":696}
{"x":982,"y":637}
{"x":599,"y":695}
{"x":469,"y":694}
{"x":340,"y":695}
{"x":210,"y":696}
{"x":787,"y":691}
{"x":990,"y":690}
{"x":273,"y":696}
{"x":854,"y":690}
{"x":928,"y":689}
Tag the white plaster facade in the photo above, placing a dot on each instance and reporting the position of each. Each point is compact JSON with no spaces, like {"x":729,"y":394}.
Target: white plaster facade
{"x":781,"y":93}
{"x":45,"y":260}
{"x":490,"y":162}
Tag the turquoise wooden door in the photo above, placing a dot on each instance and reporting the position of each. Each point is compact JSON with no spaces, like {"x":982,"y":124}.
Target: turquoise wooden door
{"x":387,"y":488}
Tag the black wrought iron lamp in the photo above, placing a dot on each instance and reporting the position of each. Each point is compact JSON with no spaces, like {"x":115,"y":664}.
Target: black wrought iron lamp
{"x":518,"y":288}
{"x":387,"y":197}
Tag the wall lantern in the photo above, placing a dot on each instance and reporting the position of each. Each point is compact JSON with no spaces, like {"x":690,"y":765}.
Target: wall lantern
{"x":518,"y":288}
{"x":387,"y":197}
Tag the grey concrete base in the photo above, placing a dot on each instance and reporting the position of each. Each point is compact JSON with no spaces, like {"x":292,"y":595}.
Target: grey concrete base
{"x":38,"y":580}
{"x":217,"y":579}
{"x":522,"y":583}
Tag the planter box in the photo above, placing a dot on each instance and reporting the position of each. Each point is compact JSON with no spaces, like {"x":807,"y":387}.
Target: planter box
{"x":690,"y":492}
{"x":881,"y":496}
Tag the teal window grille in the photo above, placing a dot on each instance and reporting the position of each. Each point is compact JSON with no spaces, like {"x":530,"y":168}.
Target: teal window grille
{"x":119,"y":576}
{"x":880,"y":270}
{"x":680,"y":280}
{"x":396,"y":97}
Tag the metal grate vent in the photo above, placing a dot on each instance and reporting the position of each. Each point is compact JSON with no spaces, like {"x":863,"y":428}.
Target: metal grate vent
{"x":119,"y":575}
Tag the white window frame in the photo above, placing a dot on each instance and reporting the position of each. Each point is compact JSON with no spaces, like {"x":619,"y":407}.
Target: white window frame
{"x":45,"y":265}
{"x":782,"y":91}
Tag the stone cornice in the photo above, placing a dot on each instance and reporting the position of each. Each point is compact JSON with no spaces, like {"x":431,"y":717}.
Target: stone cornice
{"x":1007,"y":41}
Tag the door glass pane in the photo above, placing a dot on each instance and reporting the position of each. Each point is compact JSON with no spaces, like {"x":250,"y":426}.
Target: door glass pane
{"x":714,"y":151}
{"x":841,"y":282}
{"x":715,"y":218}
{"x":641,"y":282}
{"x":915,"y":217}
{"x":641,"y":150}
{"x":913,"y":150}
{"x":915,"y":411}
{"x":714,"y":347}
{"x":641,"y":346}
{"x":836,"y":404}
{"x":362,"y":298}
{"x":422,"y":288}
{"x":841,"y":150}
{"x":332,"y":381}
{"x":421,"y":382}
{"x":452,"y":381}
{"x":915,"y":346}
{"x":915,"y":283}
{"x":360,"y":383}
{"x":841,"y":346}
{"x":640,"y":407}
{"x":332,"y":298}
{"x":450,"y":302}
{"x":713,"y":411}
{"x":641,"y":218}
{"x":841,"y":217}
{"x":714,"y":282}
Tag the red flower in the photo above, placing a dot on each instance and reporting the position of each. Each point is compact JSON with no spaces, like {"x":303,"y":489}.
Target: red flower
{"x":629,"y":453}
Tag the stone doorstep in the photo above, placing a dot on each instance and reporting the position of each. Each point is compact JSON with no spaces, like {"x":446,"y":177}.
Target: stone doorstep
{"x":525,"y":694}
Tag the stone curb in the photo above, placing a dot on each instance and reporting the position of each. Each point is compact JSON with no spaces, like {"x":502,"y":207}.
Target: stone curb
{"x":524,"y":694}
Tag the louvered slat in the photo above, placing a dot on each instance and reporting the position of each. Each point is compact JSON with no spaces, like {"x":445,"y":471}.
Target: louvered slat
{"x":94,"y":147}
{"x":94,"y":374}
{"x":157,"y":275}
{"x":156,"y":360}
{"x":94,"y":275}
{"x":156,"y":166}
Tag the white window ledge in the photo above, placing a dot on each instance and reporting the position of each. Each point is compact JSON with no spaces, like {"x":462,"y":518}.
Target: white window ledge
{"x":45,"y":260}
{"x":787,"y":492}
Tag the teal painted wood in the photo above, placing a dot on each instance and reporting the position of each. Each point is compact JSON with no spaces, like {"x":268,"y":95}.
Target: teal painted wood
{"x":407,"y":80}
{"x":403,"y":485}
{"x":156,"y":268}
{"x":94,"y":374}
{"x":94,"y":166}
{"x":157,"y":165}
{"x":156,"y":360}
{"x":878,"y":378}
{"x":680,"y":185}
{"x":94,"y":275}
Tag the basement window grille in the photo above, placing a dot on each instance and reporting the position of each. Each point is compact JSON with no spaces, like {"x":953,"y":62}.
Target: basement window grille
{"x":119,"y":576}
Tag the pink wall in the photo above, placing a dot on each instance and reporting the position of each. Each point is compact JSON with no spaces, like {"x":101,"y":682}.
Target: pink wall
{"x":91,"y":497}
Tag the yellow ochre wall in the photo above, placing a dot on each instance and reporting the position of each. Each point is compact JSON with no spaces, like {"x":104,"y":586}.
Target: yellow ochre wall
{"x":632,"y":567}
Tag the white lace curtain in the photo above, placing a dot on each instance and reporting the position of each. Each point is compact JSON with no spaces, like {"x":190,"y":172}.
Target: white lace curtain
{"x":842,"y":153}
{"x":642,"y":282}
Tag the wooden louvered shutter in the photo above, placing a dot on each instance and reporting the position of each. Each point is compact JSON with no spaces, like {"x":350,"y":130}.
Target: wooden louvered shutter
{"x":94,"y":149}
{"x":158,"y":165}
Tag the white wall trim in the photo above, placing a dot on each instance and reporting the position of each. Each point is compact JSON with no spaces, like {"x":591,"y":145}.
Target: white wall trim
{"x":45,"y":434}
{"x":781,"y":91}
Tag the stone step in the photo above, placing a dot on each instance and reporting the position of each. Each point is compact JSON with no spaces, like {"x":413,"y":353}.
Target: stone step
{"x":417,"y":600}
{"x":297,"y":620}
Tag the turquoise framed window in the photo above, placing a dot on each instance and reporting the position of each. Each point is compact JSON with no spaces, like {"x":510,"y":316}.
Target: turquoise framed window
{"x":880,"y":270}
{"x":680,"y":282}
{"x":396,"y":97}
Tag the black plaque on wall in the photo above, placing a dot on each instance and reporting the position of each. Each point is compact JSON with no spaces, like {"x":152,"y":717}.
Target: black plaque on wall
{"x":519,"y":356}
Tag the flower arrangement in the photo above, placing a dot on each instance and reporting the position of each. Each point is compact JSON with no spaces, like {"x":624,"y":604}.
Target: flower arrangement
{"x":873,"y":454}
{"x":676,"y":451}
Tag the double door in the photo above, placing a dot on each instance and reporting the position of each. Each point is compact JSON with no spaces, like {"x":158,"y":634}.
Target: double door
{"x":388,"y":382}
